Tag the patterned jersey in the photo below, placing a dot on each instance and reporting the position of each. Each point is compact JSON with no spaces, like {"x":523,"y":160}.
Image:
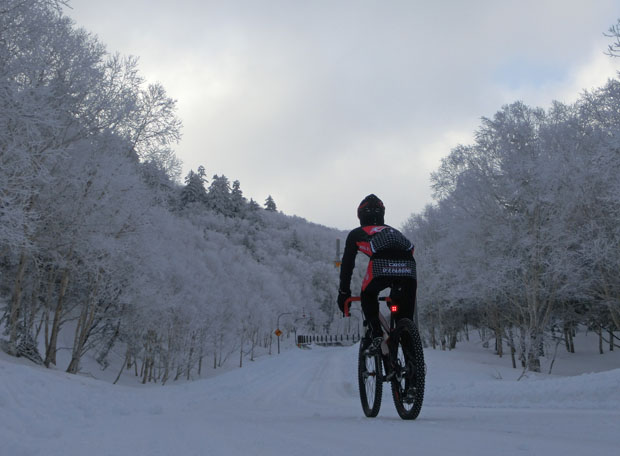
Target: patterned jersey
{"x":390,"y":252}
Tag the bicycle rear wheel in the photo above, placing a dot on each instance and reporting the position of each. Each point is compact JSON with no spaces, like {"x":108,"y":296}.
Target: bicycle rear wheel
{"x":407,"y":358}
{"x":370,"y":379}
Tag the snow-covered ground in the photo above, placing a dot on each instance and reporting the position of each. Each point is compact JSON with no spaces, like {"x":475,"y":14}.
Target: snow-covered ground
{"x":305,"y":402}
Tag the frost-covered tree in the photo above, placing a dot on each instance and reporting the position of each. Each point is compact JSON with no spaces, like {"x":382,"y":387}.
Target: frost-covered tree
{"x":519,"y":240}
{"x":270,"y":204}
{"x":219,"y":196}
{"x":253,"y":205}
{"x":238,"y":201}
{"x":194,"y":190}
{"x":95,"y":247}
{"x":67,"y":102}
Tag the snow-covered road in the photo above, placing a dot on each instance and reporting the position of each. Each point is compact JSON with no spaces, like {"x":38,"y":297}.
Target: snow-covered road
{"x":305,"y":402}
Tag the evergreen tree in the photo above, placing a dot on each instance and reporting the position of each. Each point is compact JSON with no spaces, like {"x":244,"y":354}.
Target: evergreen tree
{"x":239,"y":202}
{"x":270,"y":204}
{"x":219,"y":197}
{"x":194,"y":190}
{"x":253,"y":205}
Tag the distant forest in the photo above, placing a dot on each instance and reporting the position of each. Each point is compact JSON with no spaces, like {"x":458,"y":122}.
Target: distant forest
{"x":107,"y":250}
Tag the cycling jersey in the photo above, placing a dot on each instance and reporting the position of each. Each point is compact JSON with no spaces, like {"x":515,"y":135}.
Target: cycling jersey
{"x":390,"y":252}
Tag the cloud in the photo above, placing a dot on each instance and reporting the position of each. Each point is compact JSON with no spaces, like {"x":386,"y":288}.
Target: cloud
{"x":320,"y":103}
{"x":592,"y":72}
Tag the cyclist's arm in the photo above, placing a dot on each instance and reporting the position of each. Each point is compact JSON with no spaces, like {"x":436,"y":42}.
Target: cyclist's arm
{"x":348,"y":263}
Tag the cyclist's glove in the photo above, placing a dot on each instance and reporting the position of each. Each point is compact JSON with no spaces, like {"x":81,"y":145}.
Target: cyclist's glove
{"x":342,"y":297}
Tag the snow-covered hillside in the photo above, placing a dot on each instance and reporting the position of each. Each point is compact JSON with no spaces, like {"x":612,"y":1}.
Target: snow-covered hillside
{"x":305,"y":402}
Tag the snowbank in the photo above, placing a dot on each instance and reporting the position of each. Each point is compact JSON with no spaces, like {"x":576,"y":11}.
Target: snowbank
{"x":587,"y":391}
{"x":305,"y":402}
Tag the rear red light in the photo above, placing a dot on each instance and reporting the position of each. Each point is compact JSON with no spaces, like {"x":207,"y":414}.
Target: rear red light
{"x":394,"y":308}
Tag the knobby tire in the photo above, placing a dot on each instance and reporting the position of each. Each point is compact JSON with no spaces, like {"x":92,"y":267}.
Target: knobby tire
{"x":370,"y":380}
{"x":408,"y":381}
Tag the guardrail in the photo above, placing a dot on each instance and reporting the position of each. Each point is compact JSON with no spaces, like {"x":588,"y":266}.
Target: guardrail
{"x":328,"y":340}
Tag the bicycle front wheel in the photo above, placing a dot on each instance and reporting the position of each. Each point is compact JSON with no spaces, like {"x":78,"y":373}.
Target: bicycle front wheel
{"x":409,"y":371}
{"x":370,"y":380}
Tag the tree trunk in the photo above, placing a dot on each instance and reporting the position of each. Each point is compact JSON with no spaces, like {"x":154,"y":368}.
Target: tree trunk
{"x":220,"y":349}
{"x":16,"y":301}
{"x":46,"y":306}
{"x":126,"y":361}
{"x":555,"y":354}
{"x":254,"y":342}
{"x":201,"y":351}
{"x":499,"y":346}
{"x":102,"y":356}
{"x":533,"y":360}
{"x":30,"y":314}
{"x":48,"y":302}
{"x":151,"y":369}
{"x":166,"y":373}
{"x":541,"y":344}
{"x":168,"y":360}
{"x":145,"y":370}
{"x":82,"y":337}
{"x":85,"y":322}
{"x":179,"y":372}
{"x":214,"y":350}
{"x":466,"y":330}
{"x":191,"y":354}
{"x":73,"y":365}
{"x":50,"y":355}
{"x":512,"y":348}
{"x":522,"y":346}
{"x":453,"y":340}
{"x":614,"y":310}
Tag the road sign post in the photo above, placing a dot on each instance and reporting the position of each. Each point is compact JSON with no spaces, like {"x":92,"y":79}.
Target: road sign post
{"x":278,"y":332}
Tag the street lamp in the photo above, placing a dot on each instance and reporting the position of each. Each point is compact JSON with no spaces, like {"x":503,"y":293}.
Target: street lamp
{"x":303,"y":317}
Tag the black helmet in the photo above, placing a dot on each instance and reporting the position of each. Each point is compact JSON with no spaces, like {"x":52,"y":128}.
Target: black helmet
{"x":371,"y":211}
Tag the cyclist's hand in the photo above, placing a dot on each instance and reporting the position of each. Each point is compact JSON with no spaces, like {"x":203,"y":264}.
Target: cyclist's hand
{"x":342,"y":297}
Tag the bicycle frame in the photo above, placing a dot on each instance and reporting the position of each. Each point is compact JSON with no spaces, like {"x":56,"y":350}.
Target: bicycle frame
{"x":388,"y":327}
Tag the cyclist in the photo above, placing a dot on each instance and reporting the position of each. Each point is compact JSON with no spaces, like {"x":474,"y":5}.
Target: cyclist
{"x":391,"y":266}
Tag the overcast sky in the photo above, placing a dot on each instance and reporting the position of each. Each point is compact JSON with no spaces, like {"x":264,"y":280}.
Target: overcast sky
{"x":320,"y":103}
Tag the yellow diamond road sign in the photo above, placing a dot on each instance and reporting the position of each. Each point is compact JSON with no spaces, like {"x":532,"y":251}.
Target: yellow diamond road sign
{"x":278,"y":332}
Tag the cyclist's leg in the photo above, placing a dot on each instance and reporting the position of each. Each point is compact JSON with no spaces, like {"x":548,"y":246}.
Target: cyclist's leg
{"x":403,"y":293}
{"x":370,"y":303}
